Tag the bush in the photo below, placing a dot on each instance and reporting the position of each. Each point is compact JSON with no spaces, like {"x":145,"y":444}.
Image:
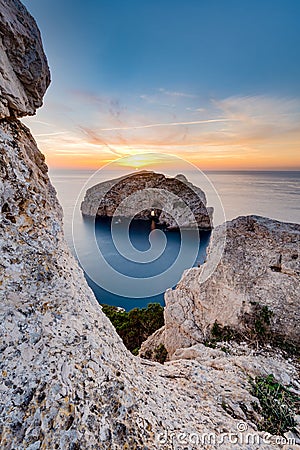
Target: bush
{"x":135,"y":326}
{"x":258,"y":323}
{"x":160,"y":354}
{"x":278,"y":405}
{"x":256,"y":329}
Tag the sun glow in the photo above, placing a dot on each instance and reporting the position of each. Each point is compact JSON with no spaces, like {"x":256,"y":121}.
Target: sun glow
{"x":140,"y":160}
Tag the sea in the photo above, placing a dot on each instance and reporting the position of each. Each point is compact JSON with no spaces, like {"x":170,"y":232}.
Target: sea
{"x":132,"y":265}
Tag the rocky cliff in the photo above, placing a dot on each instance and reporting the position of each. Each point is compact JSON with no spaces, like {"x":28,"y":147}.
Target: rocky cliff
{"x":67,"y":381}
{"x":254,"y":292}
{"x":24,"y":72}
{"x":173,"y":202}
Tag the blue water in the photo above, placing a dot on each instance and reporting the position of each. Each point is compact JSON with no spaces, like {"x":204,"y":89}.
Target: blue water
{"x":139,"y":237}
{"x":271,"y":194}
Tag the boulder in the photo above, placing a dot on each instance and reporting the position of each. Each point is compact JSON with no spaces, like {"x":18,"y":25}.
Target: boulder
{"x":254,"y":293}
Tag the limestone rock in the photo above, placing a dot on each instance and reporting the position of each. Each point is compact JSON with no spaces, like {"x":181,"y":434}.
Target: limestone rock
{"x":173,"y":202}
{"x":259,"y":273}
{"x":153,"y":342}
{"x":24,"y":72}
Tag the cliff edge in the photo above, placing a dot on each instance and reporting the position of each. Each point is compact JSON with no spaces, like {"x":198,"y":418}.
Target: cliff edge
{"x":24,"y":71}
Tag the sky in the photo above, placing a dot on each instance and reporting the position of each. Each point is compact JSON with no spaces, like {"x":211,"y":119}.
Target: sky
{"x":215,"y":82}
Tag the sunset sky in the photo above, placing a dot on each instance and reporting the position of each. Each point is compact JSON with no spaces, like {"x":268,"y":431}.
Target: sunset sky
{"x":215,"y":82}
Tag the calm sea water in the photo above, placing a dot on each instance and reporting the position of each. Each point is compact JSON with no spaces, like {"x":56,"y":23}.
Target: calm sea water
{"x":270,"y":194}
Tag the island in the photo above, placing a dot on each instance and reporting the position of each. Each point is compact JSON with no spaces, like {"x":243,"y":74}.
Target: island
{"x":171,"y":202}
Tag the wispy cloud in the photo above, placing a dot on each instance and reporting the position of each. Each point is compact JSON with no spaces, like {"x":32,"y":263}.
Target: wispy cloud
{"x":260,"y":131}
{"x":95,"y":138}
{"x":260,"y":109}
{"x":112,"y":107}
{"x":169,"y":124}
{"x":176,"y":93}
{"x":196,"y":110}
{"x":41,"y":122}
{"x":163,"y":97}
{"x":59,"y":133}
{"x":156,"y":99}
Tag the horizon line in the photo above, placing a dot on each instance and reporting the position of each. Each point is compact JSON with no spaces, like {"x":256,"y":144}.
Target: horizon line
{"x":204,"y":170}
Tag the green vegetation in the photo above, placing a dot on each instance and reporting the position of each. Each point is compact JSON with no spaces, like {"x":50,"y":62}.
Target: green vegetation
{"x":278,"y":405}
{"x":219,"y":333}
{"x":160,"y":354}
{"x":135,"y":326}
{"x":256,"y":328}
{"x":258,"y":323}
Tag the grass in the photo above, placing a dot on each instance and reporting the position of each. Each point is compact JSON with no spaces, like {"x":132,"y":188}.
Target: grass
{"x":255,"y":329}
{"x":278,"y":405}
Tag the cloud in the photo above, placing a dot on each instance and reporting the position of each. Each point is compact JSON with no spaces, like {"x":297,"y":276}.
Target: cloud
{"x":156,"y":99}
{"x":281,"y":112}
{"x":95,"y":138}
{"x":59,"y":133}
{"x":243,"y":123}
{"x":195,"y":109}
{"x":244,"y":128}
{"x":162,"y":97}
{"x":176,"y":93}
{"x":169,"y":124}
{"x":47,"y":124}
{"x":90,"y":97}
{"x":103,"y":104}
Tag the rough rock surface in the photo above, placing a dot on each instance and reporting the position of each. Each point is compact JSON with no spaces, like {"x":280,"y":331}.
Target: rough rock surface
{"x":24,"y":72}
{"x":67,"y":381}
{"x":174,"y":201}
{"x":260,"y":267}
{"x":152,"y":343}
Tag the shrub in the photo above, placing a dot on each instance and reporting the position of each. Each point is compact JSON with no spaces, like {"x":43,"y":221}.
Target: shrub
{"x":135,"y":326}
{"x":258,"y":323}
{"x":160,"y":354}
{"x":278,"y":405}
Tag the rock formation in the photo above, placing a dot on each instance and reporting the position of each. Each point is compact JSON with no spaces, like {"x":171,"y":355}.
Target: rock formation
{"x":174,"y":202}
{"x":24,"y":72}
{"x":67,"y":380}
{"x":256,"y":285}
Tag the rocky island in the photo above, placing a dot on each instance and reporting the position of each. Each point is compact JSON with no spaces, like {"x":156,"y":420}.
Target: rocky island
{"x":173,"y":202}
{"x":67,"y":381}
